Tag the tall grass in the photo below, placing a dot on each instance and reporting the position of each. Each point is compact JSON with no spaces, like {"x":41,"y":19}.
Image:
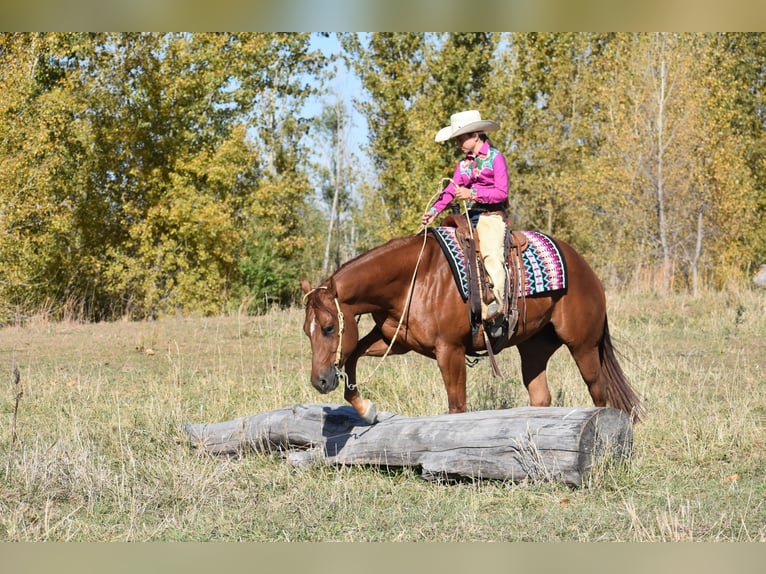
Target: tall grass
{"x":99,"y":454}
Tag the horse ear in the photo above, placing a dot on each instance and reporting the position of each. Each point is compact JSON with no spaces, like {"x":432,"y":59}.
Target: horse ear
{"x":305,"y":286}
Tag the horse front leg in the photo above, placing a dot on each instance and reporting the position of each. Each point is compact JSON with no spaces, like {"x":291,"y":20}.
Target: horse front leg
{"x":451,"y":363}
{"x":372,"y":344}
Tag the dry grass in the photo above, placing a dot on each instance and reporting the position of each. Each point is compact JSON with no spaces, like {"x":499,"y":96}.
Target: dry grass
{"x":99,"y":453}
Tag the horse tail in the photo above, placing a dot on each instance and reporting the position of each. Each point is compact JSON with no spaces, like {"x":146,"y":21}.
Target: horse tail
{"x":618,"y":391}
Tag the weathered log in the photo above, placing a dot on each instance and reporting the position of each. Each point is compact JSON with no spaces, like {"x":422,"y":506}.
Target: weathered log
{"x":527,"y":443}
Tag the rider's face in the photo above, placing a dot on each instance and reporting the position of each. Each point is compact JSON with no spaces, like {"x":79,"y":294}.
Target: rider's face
{"x":468,"y":142}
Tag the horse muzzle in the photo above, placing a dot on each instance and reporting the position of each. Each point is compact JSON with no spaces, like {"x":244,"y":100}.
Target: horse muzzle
{"x":326,"y":380}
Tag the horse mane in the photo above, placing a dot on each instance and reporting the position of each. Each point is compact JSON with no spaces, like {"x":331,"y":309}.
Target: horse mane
{"x":379,"y":251}
{"x":328,"y":284}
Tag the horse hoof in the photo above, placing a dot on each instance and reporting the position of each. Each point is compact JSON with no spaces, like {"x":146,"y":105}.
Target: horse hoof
{"x":370,"y":415}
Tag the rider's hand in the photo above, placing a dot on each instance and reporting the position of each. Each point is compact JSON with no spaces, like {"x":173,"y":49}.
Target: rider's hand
{"x":427,"y":218}
{"x":463,"y":193}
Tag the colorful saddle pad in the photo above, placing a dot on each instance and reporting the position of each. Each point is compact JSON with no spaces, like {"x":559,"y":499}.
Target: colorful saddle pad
{"x":544,"y":266}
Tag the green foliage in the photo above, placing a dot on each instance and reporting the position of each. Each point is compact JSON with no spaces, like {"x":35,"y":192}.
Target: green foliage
{"x":140,"y":171}
{"x":337,"y":174}
{"x":132,"y":163}
{"x":41,"y":151}
{"x":267,"y":277}
{"x":645,"y":151}
{"x":415,"y":81}
{"x":543,"y":101}
{"x":742,"y":56}
{"x":669,"y":163}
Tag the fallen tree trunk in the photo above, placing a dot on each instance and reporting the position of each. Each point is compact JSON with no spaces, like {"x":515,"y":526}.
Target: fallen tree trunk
{"x":527,"y":443}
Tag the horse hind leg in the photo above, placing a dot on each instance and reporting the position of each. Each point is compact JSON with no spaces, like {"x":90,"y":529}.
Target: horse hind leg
{"x":589,"y":363}
{"x":535,"y":354}
{"x":603,"y":375}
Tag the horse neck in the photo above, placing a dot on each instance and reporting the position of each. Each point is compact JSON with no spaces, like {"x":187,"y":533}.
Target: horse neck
{"x":376,"y":280}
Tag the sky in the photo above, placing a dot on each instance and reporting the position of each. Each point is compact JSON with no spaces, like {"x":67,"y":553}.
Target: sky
{"x":345,"y":84}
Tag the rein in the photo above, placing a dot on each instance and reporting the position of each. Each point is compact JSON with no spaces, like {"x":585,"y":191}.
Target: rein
{"x":339,"y":351}
{"x":340,"y":373}
{"x":401,"y":319}
{"x":424,"y":229}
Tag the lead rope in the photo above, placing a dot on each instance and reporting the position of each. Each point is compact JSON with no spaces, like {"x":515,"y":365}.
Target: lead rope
{"x":339,"y":351}
{"x":424,"y":230}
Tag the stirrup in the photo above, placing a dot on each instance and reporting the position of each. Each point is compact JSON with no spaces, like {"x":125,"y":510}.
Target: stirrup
{"x":495,"y":326}
{"x":494,"y":312}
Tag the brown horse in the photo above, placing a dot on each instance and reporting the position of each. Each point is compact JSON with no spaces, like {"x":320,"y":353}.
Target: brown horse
{"x":407,"y":285}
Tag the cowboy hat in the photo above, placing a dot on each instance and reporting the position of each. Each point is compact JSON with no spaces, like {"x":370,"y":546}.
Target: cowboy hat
{"x":465,"y":123}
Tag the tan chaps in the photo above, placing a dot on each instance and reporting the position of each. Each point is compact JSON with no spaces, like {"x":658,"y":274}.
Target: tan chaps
{"x":491,"y":230}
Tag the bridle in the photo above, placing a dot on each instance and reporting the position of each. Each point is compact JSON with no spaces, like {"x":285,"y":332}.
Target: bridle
{"x":339,"y":372}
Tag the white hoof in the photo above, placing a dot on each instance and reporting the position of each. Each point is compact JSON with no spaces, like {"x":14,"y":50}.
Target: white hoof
{"x":370,"y":415}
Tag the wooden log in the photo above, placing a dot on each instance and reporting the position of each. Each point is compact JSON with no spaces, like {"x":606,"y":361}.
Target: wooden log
{"x":519,"y":444}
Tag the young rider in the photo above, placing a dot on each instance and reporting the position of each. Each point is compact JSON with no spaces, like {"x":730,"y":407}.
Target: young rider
{"x":481,"y":178}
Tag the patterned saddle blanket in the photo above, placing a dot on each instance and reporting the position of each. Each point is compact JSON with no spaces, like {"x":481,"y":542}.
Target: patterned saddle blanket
{"x":543,"y":265}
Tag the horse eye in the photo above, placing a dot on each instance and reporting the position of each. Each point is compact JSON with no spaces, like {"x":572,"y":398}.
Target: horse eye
{"x":328,"y":330}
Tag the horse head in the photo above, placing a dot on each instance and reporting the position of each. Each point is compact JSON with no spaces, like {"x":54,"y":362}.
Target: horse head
{"x":325,"y":327}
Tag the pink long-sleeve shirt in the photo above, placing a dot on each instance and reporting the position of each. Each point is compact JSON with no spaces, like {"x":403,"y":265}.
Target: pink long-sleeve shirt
{"x":486,"y":174}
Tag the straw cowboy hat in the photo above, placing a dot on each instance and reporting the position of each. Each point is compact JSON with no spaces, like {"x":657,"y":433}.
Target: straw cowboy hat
{"x":466,"y":123}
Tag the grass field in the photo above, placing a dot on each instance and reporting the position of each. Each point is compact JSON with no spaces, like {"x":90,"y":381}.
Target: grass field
{"x":92,"y":447}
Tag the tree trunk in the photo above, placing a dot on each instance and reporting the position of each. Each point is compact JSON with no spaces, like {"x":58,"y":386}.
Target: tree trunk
{"x":697,"y":253}
{"x":661,"y":213}
{"x":529,"y":443}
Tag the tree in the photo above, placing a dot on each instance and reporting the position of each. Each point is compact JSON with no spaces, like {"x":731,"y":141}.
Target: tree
{"x":415,"y":81}
{"x":42,"y":185}
{"x":668,"y":160}
{"x":742,"y":58}
{"x":391,"y":70}
{"x":154,"y":155}
{"x":279,"y":201}
{"x":543,"y":99}
{"x":639,"y":149}
{"x":336,"y":178}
